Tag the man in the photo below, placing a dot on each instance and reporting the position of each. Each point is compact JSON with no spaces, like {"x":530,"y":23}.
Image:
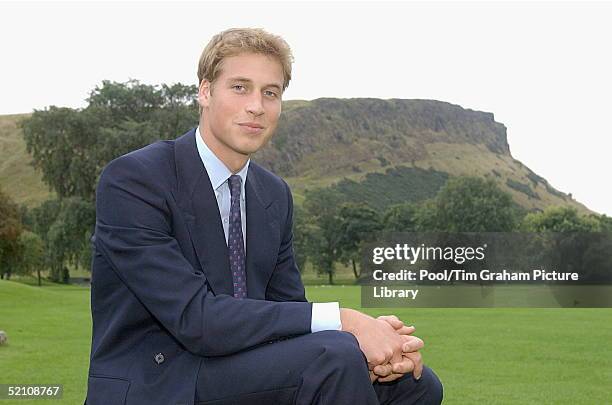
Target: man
{"x":196,"y":297}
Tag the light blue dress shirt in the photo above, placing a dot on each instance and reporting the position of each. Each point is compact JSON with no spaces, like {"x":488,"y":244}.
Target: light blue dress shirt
{"x":325,"y":316}
{"x":218,"y":174}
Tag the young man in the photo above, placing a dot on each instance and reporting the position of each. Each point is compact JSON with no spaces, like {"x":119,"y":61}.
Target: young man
{"x":196,"y":297}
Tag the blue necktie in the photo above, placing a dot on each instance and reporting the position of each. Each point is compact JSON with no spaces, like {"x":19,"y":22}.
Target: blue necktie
{"x":235,"y":239}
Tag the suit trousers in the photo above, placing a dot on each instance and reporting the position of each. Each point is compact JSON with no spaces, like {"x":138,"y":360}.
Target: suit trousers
{"x":322,"y":368}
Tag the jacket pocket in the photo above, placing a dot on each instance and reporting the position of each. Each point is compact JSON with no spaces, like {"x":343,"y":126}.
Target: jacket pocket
{"x":106,"y":390}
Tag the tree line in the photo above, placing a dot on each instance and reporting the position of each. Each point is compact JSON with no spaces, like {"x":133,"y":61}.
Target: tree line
{"x":70,"y":147}
{"x":328,"y":230}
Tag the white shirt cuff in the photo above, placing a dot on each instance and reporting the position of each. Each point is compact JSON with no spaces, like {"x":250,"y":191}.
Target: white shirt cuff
{"x":325,"y":316}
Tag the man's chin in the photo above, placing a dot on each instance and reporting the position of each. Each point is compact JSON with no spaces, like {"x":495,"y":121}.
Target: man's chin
{"x":249,"y":148}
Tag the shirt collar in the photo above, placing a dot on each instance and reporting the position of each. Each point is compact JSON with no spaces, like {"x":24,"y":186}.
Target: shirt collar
{"x":217,"y":171}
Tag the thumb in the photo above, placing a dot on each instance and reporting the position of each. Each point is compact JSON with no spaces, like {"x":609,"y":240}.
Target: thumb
{"x":393,"y":320}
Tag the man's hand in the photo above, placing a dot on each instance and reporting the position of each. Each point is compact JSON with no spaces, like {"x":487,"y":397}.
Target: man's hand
{"x":378,"y":340}
{"x":387,"y":344}
{"x":410,"y":361}
{"x":397,"y":324}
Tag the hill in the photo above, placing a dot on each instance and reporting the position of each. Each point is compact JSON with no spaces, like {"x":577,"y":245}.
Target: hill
{"x":321,"y":142}
{"x":17,"y":177}
{"x":359,"y":145}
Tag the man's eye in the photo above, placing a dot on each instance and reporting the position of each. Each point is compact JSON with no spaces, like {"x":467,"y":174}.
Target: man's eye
{"x":270,"y":94}
{"x":238,"y":87}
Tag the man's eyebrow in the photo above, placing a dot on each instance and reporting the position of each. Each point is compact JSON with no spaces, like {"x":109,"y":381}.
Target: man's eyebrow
{"x":247,"y":80}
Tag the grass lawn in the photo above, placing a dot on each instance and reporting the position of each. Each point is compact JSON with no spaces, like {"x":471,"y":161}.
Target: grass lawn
{"x":483,"y":356}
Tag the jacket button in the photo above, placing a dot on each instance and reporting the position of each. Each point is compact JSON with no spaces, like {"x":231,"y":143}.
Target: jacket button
{"x":159,"y":358}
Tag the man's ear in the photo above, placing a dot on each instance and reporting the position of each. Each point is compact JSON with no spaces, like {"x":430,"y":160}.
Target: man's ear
{"x":204,"y":93}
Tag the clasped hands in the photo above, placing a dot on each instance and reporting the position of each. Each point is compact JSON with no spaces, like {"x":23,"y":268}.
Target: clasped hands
{"x":388,"y":345}
{"x":409,"y":360}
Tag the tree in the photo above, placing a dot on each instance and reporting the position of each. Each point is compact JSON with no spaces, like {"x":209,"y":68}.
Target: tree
{"x":69,"y":236}
{"x":473,"y":204}
{"x":10,"y":232}
{"x":33,"y":254}
{"x":321,"y":206}
{"x":70,"y":148}
{"x":42,"y":218}
{"x":560,"y":219}
{"x":300,"y":237}
{"x":357,"y":222}
{"x":401,"y":218}
{"x":605,"y":222}
{"x":64,"y":146}
{"x":573,"y":242}
{"x":65,"y":228}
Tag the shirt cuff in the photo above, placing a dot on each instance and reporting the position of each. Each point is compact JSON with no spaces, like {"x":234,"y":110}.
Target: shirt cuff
{"x":325,"y":316}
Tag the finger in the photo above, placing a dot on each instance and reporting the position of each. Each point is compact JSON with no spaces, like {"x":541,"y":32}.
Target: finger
{"x":390,"y":378}
{"x":392,"y":320}
{"x":383,"y":370}
{"x":417,"y":360}
{"x":406,"y":330}
{"x":418,"y":368}
{"x":406,"y":365}
{"x":412,"y":344}
{"x":382,"y":356}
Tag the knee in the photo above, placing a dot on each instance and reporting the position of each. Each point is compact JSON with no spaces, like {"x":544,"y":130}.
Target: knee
{"x":433,"y":386}
{"x":343,"y":350}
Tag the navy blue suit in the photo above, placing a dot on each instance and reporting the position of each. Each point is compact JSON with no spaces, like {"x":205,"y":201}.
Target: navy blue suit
{"x":164,"y":318}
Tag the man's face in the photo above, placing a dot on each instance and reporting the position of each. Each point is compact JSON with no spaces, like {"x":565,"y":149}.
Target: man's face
{"x":241,"y":110}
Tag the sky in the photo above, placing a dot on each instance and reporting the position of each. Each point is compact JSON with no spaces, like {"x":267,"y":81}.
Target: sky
{"x":542,"y":68}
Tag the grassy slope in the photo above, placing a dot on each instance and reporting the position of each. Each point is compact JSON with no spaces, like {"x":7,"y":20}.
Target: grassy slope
{"x":488,"y":356}
{"x":18,"y":178}
{"x":455,"y":159}
{"x":23,"y":184}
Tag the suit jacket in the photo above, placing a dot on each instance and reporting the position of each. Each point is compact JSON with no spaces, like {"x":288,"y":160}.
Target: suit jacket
{"x":161,"y":294}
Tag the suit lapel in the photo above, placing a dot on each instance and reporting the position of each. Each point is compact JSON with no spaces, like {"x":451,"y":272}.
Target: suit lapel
{"x":262,"y":238}
{"x":199,"y":205}
{"x":197,"y":200}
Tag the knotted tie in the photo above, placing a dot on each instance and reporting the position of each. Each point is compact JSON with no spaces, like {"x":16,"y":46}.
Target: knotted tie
{"x":235,"y":242}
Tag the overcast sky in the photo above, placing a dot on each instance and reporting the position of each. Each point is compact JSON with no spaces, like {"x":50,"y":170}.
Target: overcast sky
{"x":544,"y":69}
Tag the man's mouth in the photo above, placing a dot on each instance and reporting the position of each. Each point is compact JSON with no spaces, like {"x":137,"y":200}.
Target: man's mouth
{"x":252,"y":127}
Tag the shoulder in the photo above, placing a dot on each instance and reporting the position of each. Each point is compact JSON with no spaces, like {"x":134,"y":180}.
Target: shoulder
{"x":154,"y":161}
{"x":146,"y":174}
{"x":277,"y":192}
{"x":269,"y":181}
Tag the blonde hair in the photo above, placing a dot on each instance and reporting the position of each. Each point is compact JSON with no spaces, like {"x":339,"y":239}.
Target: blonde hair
{"x":235,"y":41}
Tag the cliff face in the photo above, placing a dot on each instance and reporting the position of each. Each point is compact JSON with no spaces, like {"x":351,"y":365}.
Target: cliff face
{"x":373,"y":147}
{"x":352,"y":132}
{"x":321,"y":142}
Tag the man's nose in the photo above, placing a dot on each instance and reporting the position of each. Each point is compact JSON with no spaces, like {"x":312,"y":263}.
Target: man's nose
{"x":255,"y":104}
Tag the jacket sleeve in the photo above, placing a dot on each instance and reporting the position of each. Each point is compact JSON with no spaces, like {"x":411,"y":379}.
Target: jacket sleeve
{"x":133,"y":233}
{"x":286,"y":282}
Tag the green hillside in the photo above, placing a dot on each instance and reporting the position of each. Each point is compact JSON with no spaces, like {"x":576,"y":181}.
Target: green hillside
{"x":17,"y":177}
{"x":323,"y":141}
{"x":362,"y":144}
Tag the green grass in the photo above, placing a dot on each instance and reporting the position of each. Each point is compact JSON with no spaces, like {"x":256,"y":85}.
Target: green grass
{"x":483,"y":356}
{"x":49,"y":332}
{"x":18,"y":178}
